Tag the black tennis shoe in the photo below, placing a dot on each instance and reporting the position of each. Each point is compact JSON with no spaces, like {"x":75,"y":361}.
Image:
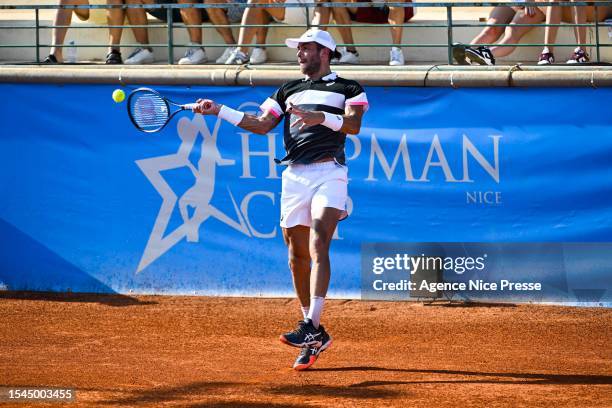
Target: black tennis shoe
{"x":305,"y":335}
{"x":308,"y":355}
{"x":480,"y":56}
{"x":459,"y":54}
{"x":114,"y":57}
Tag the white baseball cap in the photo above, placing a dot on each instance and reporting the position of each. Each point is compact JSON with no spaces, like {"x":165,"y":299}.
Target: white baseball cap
{"x":313,"y":35}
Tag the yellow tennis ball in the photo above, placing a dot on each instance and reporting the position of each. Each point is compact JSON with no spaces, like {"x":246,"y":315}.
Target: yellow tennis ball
{"x":118,"y":95}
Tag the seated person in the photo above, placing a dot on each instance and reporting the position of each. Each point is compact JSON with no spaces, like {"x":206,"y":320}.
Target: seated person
{"x":387,"y":14}
{"x":136,"y":16}
{"x":341,"y":15}
{"x":63,"y":17}
{"x":219,"y":18}
{"x":257,"y":15}
{"x":510,"y":34}
{"x":577,"y":15}
{"x":116,"y":16}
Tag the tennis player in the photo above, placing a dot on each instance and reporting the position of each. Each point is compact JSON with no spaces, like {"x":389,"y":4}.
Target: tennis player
{"x":319,"y":110}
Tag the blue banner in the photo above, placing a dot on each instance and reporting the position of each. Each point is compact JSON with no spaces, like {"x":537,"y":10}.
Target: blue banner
{"x":91,"y":204}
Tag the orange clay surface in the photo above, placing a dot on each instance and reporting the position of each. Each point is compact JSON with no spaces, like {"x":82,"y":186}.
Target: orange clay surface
{"x":225,"y":352}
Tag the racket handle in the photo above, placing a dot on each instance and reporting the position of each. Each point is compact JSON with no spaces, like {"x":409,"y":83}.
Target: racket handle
{"x":189,"y":106}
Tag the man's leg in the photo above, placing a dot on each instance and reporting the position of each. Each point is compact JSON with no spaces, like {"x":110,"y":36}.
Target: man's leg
{"x":499,"y":15}
{"x":63,"y":17}
{"x":483,"y":54}
{"x":138,"y":16}
{"x":324,"y":221}
{"x":115,"y":17}
{"x":218,"y":17}
{"x":192,"y":16}
{"x":514,"y":33}
{"x":580,"y":17}
{"x":322,"y":16}
{"x":553,"y":16}
{"x":297,"y":240}
{"x":396,"y":17}
{"x":254,"y":15}
{"x":342,"y":16}
{"x":196,"y":53}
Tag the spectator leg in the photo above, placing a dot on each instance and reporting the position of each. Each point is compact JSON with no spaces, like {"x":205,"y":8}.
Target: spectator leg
{"x":219,"y":17}
{"x":262,"y":33}
{"x":342,"y":16}
{"x":192,"y":16}
{"x":82,"y":14}
{"x":138,"y":16}
{"x":58,"y":35}
{"x":499,"y":15}
{"x":553,"y":16}
{"x":580,"y":18}
{"x":115,"y":16}
{"x":254,"y":15}
{"x":513,"y":34}
{"x":322,"y":15}
{"x":396,"y":16}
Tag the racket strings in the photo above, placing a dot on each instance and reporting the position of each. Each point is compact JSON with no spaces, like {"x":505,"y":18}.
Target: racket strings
{"x":149,"y":111}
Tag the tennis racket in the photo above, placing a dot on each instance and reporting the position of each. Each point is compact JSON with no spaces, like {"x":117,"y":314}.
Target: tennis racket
{"x":150,"y":112}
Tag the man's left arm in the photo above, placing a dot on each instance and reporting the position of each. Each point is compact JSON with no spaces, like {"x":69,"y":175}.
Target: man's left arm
{"x":352,"y":119}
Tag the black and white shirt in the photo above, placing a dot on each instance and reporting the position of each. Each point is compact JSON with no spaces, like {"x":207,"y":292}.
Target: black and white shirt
{"x":329,"y":94}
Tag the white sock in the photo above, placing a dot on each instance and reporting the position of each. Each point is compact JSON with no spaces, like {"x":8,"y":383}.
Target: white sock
{"x":305,"y":311}
{"x":316,"y":309}
{"x":545,"y":50}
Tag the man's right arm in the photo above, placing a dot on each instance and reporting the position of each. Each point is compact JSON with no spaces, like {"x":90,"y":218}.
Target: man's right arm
{"x":256,"y":124}
{"x":259,"y":124}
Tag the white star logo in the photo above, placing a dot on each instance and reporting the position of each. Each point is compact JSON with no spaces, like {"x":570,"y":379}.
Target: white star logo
{"x":199,"y":196}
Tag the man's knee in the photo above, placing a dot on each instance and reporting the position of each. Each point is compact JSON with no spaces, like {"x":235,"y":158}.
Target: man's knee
{"x":298,"y":262}
{"x":320,"y":240}
{"x":491,"y":34}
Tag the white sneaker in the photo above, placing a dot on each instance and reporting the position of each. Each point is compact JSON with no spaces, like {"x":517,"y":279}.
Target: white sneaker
{"x":226,"y":53}
{"x":140,"y":56}
{"x":237,"y":57}
{"x":336,"y":60}
{"x":396,"y":57}
{"x":258,"y":56}
{"x":347,"y":57}
{"x":194,"y":55}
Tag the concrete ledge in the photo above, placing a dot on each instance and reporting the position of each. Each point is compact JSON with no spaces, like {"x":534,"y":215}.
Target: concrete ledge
{"x":415,"y":76}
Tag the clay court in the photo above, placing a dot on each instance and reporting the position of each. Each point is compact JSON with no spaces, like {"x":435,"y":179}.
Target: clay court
{"x":224,"y":352}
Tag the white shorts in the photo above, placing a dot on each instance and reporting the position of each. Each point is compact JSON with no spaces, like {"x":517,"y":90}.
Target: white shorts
{"x":312,"y":186}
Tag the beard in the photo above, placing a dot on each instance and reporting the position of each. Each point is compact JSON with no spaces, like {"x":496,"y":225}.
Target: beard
{"x":311,"y":67}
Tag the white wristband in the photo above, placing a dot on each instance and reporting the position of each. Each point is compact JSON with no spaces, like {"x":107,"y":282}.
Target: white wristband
{"x":231,"y":115}
{"x":332,"y":121}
